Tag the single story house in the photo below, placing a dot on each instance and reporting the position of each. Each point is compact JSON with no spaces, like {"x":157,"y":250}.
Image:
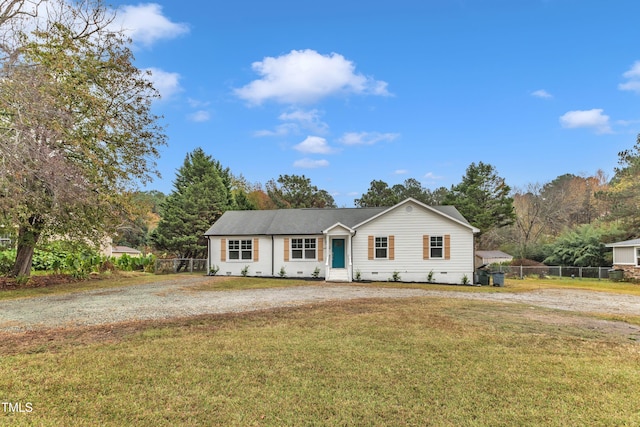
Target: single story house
{"x":410,"y":241}
{"x":626,"y":256}
{"x":492,"y":257}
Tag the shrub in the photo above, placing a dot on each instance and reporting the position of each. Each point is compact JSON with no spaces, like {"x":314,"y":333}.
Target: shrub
{"x":7,"y":258}
{"x":213,"y":270}
{"x":430,"y":277}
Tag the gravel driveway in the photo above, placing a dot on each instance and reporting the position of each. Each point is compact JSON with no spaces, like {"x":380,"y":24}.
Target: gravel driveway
{"x":170,"y":298}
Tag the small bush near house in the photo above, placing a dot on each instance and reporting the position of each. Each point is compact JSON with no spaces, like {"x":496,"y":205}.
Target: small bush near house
{"x":282,"y":273}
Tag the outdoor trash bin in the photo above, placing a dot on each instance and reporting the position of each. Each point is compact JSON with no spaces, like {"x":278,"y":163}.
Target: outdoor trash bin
{"x":483,"y":277}
{"x":498,"y":278}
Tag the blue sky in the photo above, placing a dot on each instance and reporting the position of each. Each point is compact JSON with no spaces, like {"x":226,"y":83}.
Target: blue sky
{"x":346,"y":92}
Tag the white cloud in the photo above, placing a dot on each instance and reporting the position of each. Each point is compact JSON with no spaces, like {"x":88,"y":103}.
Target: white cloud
{"x":168,"y":84}
{"x":297,"y":121}
{"x":586,"y":119}
{"x":305,"y":76}
{"x":541,"y":93}
{"x":633,"y":72}
{"x":631,"y":85}
{"x":300,"y":116}
{"x":633,"y":78}
{"x":314,"y":144}
{"x":307,"y":163}
{"x":280,"y":130}
{"x":400,"y":172}
{"x":146,"y":24}
{"x":309,"y":120}
{"x":196,"y":103}
{"x":432,"y":177}
{"x":367,"y":138}
{"x":627,"y":122}
{"x":200,"y":116}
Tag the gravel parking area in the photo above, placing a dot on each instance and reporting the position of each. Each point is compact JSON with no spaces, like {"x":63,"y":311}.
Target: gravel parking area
{"x":169,"y":299}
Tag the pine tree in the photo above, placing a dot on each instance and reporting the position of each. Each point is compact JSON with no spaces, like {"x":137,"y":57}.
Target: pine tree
{"x":483,"y":198}
{"x":201,"y":195}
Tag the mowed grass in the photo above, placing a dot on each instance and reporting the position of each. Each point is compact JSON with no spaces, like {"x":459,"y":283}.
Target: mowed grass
{"x":423,"y":361}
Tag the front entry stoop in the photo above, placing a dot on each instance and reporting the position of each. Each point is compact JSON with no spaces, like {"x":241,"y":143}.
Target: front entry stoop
{"x":338,"y":275}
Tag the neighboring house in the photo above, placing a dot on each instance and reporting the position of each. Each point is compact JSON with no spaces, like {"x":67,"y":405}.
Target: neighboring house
{"x":5,"y":242}
{"x":410,"y":239}
{"x":626,"y":256}
{"x":492,"y":257}
{"x":118,"y":251}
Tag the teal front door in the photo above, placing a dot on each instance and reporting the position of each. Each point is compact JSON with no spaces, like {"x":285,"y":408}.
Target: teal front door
{"x":337,"y":253}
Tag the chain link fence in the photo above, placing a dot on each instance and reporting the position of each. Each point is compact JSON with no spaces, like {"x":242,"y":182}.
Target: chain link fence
{"x":180,"y":265}
{"x":518,"y":271}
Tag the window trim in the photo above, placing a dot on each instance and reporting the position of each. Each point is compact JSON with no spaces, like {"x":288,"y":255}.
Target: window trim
{"x":379,"y":239}
{"x":303,"y":242}
{"x":441,"y":246}
{"x":637,"y":257}
{"x":242,"y":247}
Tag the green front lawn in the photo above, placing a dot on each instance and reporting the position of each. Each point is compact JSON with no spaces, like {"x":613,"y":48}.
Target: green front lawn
{"x":423,"y":361}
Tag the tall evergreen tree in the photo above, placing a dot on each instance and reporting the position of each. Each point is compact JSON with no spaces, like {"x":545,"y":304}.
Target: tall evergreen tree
{"x":201,"y":195}
{"x":483,"y":198}
{"x":296,"y":191}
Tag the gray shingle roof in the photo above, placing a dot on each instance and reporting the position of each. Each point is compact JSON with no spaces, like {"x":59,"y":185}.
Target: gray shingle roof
{"x":493,"y":254}
{"x":287,"y":221}
{"x":300,"y":221}
{"x":634,"y":242}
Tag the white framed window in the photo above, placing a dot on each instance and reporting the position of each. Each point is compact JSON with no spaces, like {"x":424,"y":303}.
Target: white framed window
{"x":637,"y":257}
{"x":381,"y":247}
{"x":303,"y":249}
{"x":436,"y":247}
{"x":240,"y":250}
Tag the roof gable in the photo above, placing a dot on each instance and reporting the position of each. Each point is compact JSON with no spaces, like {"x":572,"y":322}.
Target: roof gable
{"x":338,"y":226}
{"x":449,"y":212}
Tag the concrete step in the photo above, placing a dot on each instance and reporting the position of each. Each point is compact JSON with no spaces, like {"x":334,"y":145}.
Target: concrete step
{"x":338,"y":276}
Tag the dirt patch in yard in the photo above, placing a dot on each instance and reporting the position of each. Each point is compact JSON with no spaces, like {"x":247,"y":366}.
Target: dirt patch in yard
{"x":10,"y":283}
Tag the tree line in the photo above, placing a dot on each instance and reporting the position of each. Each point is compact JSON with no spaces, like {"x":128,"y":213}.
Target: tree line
{"x":566,"y":221}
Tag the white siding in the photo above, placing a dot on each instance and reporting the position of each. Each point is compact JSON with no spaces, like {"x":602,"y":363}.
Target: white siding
{"x":268,"y":249}
{"x":408,"y":227}
{"x":293,"y":267}
{"x":624,"y":255}
{"x":262,"y":267}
